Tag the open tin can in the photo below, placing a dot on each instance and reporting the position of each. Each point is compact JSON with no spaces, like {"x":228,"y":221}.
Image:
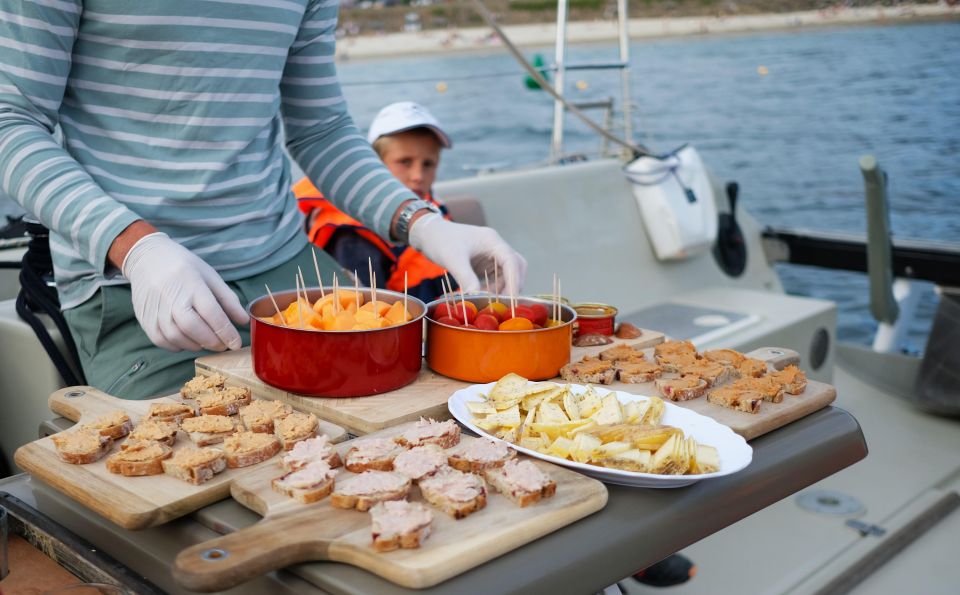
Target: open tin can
{"x":595,"y":319}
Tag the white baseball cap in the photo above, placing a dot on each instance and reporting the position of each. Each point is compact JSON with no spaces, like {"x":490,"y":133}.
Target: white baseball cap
{"x":406,"y":115}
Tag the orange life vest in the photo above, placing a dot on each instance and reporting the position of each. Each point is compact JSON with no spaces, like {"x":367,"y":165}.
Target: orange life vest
{"x":324,"y":220}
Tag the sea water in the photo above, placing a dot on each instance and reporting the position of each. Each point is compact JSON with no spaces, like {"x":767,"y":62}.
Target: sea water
{"x":786,"y":114}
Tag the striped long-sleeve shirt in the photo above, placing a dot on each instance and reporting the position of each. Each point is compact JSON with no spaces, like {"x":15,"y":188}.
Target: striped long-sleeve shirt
{"x":174,"y":112}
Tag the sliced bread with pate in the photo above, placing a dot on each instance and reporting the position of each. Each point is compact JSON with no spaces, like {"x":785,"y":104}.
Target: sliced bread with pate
{"x":713,"y":372}
{"x":209,"y":429}
{"x":752,"y":367}
{"x":734,"y":398}
{"x":224,"y":401}
{"x":420,"y":461}
{"x":480,"y":454}
{"x":259,"y":416}
{"x":372,"y":454}
{"x":674,"y":348}
{"x":684,"y":388}
{"x":727,"y":357}
{"x":249,"y":448}
{"x":770,"y":389}
{"x":793,"y":379}
{"x":164,"y":432}
{"x":202,"y":385}
{"x":366,"y":489}
{"x":115,"y":424}
{"x":82,"y":446}
{"x":310,"y":483}
{"x":674,"y":362}
{"x":521,"y":481}
{"x":295,"y":427}
{"x":139,"y":457}
{"x":309,"y":450}
{"x":444,"y":434}
{"x":621,"y":352}
{"x":589,"y":371}
{"x":637,"y":372}
{"x":195,"y":465}
{"x":172,"y":412}
{"x":399,"y":524}
{"x":454,"y":492}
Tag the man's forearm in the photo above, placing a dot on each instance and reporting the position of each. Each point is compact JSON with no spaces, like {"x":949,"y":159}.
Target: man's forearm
{"x":127,"y":238}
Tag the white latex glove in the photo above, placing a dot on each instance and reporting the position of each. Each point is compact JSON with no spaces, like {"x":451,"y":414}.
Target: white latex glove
{"x":467,"y":251}
{"x":179,"y":300}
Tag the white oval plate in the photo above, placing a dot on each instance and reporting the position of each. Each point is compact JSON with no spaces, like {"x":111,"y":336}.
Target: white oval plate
{"x":735,"y":453}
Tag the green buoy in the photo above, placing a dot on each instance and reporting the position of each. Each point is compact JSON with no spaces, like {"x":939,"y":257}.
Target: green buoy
{"x":539,"y":64}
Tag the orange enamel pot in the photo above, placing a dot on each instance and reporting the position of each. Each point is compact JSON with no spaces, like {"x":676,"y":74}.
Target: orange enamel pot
{"x":483,"y":356}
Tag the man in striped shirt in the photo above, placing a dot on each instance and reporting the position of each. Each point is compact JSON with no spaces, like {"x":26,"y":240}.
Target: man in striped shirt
{"x":168,"y":197}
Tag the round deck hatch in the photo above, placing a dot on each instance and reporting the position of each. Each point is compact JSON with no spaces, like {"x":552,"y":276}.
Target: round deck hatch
{"x":830,"y":502}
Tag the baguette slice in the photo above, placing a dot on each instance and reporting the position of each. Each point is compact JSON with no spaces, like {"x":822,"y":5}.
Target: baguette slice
{"x":312,"y":449}
{"x":479,"y":455}
{"x":752,"y":367}
{"x":170,"y":412}
{"x":223,"y":401}
{"x":674,"y":348}
{"x":201,"y":385}
{"x":139,"y":457}
{"x":81,"y":447}
{"x":164,"y":432}
{"x":444,"y":434}
{"x":792,"y":378}
{"x":372,"y":454}
{"x":260,"y":415}
{"x":420,"y":462}
{"x":208,"y":429}
{"x":714,"y":373}
{"x":249,"y":448}
{"x":399,"y":524}
{"x":295,"y":427}
{"x":621,"y":352}
{"x":688,"y":386}
{"x":368,"y":488}
{"x":522,"y":482}
{"x":727,"y":357}
{"x":195,"y":465}
{"x":733,"y":398}
{"x":311,"y":483}
{"x":115,"y":424}
{"x":455,"y":493}
{"x":589,"y":371}
{"x":637,"y":372}
{"x":770,"y":389}
{"x":674,"y":362}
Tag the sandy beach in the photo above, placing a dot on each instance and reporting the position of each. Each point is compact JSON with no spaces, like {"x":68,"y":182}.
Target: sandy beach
{"x":481,"y":38}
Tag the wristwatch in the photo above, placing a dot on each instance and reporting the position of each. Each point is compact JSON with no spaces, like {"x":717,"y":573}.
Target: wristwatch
{"x":401,"y":233}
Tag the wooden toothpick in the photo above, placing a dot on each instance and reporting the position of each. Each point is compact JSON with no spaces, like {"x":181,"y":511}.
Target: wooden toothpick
{"x":296,"y":281}
{"x":316,"y":267}
{"x":356,"y":288}
{"x":272,"y":299}
{"x":404,"y":294}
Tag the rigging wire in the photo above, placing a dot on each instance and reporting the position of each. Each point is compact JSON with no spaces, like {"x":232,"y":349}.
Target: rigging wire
{"x":637,"y":150}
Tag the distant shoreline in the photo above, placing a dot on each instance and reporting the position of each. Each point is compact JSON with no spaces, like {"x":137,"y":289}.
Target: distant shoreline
{"x":480,"y":38}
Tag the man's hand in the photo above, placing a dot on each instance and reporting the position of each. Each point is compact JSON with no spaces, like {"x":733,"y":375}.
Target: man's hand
{"x":179,"y":300}
{"x":467,"y":251}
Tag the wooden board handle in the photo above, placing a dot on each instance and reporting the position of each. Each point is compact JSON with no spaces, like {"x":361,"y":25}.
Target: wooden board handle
{"x":73,"y":401}
{"x":778,"y":357}
{"x":226,"y":561}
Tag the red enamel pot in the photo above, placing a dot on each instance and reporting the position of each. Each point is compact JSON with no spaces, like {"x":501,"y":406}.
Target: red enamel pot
{"x":321,"y":363}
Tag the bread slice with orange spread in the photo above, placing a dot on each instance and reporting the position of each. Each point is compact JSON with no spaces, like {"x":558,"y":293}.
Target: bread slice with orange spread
{"x":674,"y":348}
{"x":115,"y":424}
{"x":138,"y":458}
{"x":733,"y":398}
{"x":259,"y":416}
{"x":371,"y":454}
{"x":454,"y":492}
{"x":81,"y":446}
{"x":770,"y":389}
{"x":480,"y":454}
{"x":309,"y":450}
{"x":713,"y":372}
{"x":209,"y":429}
{"x":249,"y":448}
{"x":637,"y":372}
{"x":793,"y":379}
{"x":589,"y":371}
{"x":752,"y":367}
{"x":295,"y":427}
{"x":399,"y":524}
{"x":202,"y":385}
{"x":621,"y":352}
{"x":195,"y":465}
{"x":172,"y":412}
{"x":674,"y":362}
{"x":164,"y":432}
{"x":684,"y":388}
{"x":727,"y":357}
{"x":523,"y":482}
{"x":366,"y":489}
{"x":310,"y":483}
{"x":224,"y":401}
{"x":444,"y":434}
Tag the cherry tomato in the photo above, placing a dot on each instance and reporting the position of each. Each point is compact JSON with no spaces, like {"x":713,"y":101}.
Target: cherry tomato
{"x":449,"y":321}
{"x":499,"y":314}
{"x":516,"y":324}
{"x":539,"y":314}
{"x":487,"y":322}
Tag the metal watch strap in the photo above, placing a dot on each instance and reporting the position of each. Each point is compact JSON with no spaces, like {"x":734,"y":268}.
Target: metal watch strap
{"x":402,"y":231}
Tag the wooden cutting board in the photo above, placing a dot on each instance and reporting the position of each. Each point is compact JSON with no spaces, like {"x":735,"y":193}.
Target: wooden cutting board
{"x":131,"y":502}
{"x":771,"y":416}
{"x":292,"y":532}
{"x":425,"y":397}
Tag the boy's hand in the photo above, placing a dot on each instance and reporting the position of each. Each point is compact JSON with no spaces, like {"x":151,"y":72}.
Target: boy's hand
{"x":467,"y":251}
{"x":179,"y":300}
